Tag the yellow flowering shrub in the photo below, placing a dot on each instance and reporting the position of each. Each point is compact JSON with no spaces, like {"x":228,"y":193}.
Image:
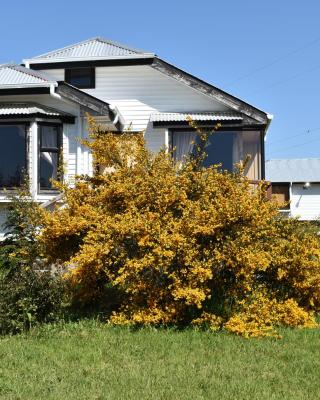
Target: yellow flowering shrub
{"x":183,"y":243}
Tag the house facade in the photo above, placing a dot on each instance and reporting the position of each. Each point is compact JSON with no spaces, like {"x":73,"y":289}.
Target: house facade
{"x":43,"y":103}
{"x":296,"y":182}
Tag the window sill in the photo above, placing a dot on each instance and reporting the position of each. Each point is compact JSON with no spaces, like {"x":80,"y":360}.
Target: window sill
{"x":48,"y":192}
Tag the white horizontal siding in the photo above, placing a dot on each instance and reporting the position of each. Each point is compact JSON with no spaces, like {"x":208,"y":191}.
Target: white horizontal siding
{"x":57,"y":74}
{"x":138,"y":91}
{"x":156,"y":138}
{"x":305,"y":203}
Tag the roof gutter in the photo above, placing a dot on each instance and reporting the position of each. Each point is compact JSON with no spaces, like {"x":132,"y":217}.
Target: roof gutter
{"x":116,"y":114}
{"x":53,"y":92}
{"x":269,"y":120}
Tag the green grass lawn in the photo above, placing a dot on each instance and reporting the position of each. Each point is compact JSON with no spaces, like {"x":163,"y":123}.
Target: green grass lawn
{"x":89,"y":360}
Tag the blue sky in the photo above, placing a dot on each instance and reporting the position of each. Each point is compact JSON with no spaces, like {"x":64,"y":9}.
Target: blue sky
{"x":265,"y":52}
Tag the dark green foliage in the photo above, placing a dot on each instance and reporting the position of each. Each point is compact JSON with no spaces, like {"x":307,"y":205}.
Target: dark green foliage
{"x":29,"y":296}
{"x":29,"y":292}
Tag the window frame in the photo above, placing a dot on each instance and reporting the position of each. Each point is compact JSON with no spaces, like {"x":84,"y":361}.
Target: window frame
{"x":41,"y":149}
{"x":173,"y":131}
{"x":285,"y":185}
{"x":68,"y":77}
{"x":26,"y":150}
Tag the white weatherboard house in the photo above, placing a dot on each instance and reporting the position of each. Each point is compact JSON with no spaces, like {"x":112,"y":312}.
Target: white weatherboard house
{"x":296,"y":181}
{"x":43,"y":104}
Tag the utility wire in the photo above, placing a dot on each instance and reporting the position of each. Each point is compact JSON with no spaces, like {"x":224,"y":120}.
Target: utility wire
{"x":275,"y":61}
{"x":293,"y":136}
{"x":295,"y":146}
{"x":285,"y":80}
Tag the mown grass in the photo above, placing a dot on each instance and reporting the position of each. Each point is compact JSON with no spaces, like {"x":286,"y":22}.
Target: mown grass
{"x":89,"y":360}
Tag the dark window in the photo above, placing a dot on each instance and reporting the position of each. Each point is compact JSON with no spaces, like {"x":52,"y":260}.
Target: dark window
{"x":280,"y":193}
{"x":82,"y":78}
{"x":12,"y":155}
{"x":221,"y":148}
{"x":49,"y":155}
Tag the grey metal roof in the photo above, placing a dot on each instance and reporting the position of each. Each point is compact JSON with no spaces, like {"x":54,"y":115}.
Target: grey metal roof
{"x":293,"y":170}
{"x":11,"y":74}
{"x":91,"y":48}
{"x":205,"y":116}
{"x":7,"y":109}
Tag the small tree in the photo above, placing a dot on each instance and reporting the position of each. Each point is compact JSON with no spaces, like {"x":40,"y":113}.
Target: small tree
{"x":185,"y":244}
{"x":28,"y":294}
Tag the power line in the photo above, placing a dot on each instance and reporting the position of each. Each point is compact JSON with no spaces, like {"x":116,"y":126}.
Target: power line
{"x":295,"y":146}
{"x":285,"y":80}
{"x":276,"y":61}
{"x":293,"y":136}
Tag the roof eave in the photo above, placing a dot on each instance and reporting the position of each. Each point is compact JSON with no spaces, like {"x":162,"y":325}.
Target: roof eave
{"x":86,"y":100}
{"x":211,"y":91}
{"x":31,"y":61}
{"x":28,"y":85}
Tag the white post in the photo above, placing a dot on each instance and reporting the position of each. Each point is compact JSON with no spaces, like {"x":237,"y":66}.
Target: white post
{"x":166,"y":139}
{"x":33,"y":159}
{"x":79,"y":146}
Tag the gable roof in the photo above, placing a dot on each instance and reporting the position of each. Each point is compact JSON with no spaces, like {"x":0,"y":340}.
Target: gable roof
{"x":103,"y":52}
{"x":209,"y":90}
{"x":17,"y":75}
{"x":293,"y":170}
{"x":94,"y":48}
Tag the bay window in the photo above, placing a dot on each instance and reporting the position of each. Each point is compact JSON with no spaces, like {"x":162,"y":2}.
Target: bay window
{"x":13,"y":149}
{"x":49,"y":154}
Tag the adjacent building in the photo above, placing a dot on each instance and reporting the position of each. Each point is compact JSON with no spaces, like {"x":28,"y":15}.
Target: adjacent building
{"x":296,"y":182}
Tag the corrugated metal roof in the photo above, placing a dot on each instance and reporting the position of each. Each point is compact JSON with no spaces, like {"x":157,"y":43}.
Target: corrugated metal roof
{"x":11,"y":74}
{"x":29,"y":109}
{"x":206,"y":116}
{"x":92,"y":48}
{"x":293,"y":170}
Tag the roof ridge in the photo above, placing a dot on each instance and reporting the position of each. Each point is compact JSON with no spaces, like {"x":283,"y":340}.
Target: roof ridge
{"x":121,"y":45}
{"x":63,"y":48}
{"x":84,"y":42}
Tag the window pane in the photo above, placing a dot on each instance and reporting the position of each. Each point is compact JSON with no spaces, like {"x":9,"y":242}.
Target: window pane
{"x":48,"y":169}
{"x":220,"y":150}
{"x":183,"y":143}
{"x":12,"y":154}
{"x":80,"y":77}
{"x":280,"y":193}
{"x":49,"y":136}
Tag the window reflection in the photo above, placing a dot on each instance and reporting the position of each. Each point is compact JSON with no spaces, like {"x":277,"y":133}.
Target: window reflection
{"x":223,"y":147}
{"x":12,"y":155}
{"x":50,"y":137}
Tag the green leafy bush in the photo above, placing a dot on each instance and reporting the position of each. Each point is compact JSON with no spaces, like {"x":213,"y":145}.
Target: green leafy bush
{"x":30,"y":292}
{"x":29,"y":296}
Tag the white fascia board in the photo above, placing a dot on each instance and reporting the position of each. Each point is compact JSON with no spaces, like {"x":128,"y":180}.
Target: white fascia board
{"x":28,"y":85}
{"x":95,"y":58}
{"x":269,"y":118}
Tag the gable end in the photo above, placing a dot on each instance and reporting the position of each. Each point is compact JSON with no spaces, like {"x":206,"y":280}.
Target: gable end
{"x":209,"y":90}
